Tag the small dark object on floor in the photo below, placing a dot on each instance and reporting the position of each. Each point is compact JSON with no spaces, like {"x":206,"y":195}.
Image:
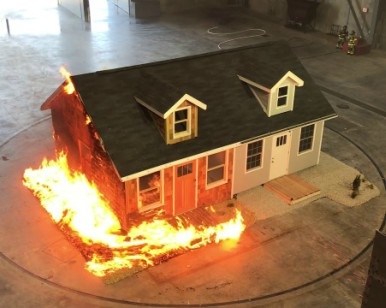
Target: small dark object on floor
{"x":5,"y":158}
{"x":355,"y":186}
{"x":357,"y":182}
{"x":354,"y":194}
{"x":230,"y":204}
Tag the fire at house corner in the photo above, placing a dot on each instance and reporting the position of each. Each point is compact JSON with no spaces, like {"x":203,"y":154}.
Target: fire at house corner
{"x":68,"y":85}
{"x":81,"y":212}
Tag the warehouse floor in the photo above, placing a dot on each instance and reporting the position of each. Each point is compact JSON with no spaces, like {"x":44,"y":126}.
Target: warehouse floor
{"x":316,"y":254}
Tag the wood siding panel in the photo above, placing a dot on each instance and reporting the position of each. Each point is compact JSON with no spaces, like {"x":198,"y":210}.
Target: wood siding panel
{"x":168,"y":190}
{"x":131,"y":196}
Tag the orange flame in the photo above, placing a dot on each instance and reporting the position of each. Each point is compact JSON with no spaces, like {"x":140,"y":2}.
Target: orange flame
{"x":69,"y":86}
{"x":74,"y":202}
{"x":88,"y":120}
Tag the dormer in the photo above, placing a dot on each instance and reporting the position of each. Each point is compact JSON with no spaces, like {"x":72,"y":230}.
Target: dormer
{"x":274,"y":88}
{"x":174,"y":112}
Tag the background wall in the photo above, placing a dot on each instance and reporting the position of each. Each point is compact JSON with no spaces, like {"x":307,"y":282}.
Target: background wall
{"x":74,"y":6}
{"x":329,"y":13}
{"x":342,"y":13}
{"x":365,"y":17}
{"x":172,"y":6}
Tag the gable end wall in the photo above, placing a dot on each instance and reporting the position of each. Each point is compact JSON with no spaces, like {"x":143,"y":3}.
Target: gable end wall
{"x":85,"y":152}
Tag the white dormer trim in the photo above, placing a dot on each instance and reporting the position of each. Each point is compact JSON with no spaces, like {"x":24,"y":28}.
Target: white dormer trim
{"x":298,"y":82}
{"x":185,"y":97}
{"x":290,"y":81}
{"x":270,"y":98}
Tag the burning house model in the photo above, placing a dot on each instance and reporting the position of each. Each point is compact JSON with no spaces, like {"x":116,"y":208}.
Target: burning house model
{"x":177,"y":136}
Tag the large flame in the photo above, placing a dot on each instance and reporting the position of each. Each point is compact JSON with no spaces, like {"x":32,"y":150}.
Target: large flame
{"x":69,"y":86}
{"x":77,"y":207}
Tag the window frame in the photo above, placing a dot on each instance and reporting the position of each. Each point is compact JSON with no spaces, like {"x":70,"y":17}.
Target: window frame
{"x":158,"y":203}
{"x":223,"y":165}
{"x":185,"y":169}
{"x":302,"y":140}
{"x":188,"y":122}
{"x":281,"y":140}
{"x":260,"y":153}
{"x":279,"y":97}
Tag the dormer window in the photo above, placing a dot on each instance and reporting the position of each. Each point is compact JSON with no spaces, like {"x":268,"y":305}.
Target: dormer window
{"x":182,"y":122}
{"x":274,"y":88}
{"x":174,"y":112}
{"x":282,"y":96}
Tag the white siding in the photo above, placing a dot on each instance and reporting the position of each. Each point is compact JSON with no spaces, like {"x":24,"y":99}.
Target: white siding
{"x":308,"y":158}
{"x":244,"y":180}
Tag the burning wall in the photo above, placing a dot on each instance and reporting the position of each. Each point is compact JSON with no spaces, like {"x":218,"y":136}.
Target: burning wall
{"x":76,"y":136}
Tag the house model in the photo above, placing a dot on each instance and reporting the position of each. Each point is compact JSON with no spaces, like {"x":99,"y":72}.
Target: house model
{"x":192,"y":131}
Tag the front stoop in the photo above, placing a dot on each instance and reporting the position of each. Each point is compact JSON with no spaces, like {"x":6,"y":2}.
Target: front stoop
{"x":292,"y":189}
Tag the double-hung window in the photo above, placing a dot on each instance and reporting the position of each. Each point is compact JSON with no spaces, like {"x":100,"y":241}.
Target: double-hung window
{"x":150,"y":189}
{"x":282,"y":96}
{"x":216,"y":168}
{"x":254,"y":155}
{"x":181,"y":123}
{"x":306,"y":138}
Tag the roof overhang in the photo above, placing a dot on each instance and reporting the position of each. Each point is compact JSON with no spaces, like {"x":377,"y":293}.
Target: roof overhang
{"x":185,"y":97}
{"x":289,"y":75}
{"x":49,"y":101}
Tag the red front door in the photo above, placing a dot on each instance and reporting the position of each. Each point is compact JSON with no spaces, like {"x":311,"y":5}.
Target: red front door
{"x":184,"y":187}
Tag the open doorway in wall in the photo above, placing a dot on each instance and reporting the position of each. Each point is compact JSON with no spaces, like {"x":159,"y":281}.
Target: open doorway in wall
{"x":99,"y":9}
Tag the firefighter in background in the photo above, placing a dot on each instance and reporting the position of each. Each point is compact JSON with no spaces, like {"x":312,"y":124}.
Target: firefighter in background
{"x":342,"y":37}
{"x":351,"y":43}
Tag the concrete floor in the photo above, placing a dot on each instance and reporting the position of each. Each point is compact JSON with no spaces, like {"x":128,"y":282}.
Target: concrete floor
{"x":321,"y":237}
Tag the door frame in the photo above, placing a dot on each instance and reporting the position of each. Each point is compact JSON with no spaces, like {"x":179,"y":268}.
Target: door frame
{"x":284,"y":155}
{"x":194,"y":173}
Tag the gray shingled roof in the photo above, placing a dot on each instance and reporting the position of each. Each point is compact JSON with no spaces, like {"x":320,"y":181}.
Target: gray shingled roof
{"x":233,"y":114}
{"x":265,"y":74}
{"x":156,"y":93}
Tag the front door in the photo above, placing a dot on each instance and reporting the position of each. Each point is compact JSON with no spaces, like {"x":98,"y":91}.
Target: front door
{"x":280,"y":154}
{"x":184,"y":187}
